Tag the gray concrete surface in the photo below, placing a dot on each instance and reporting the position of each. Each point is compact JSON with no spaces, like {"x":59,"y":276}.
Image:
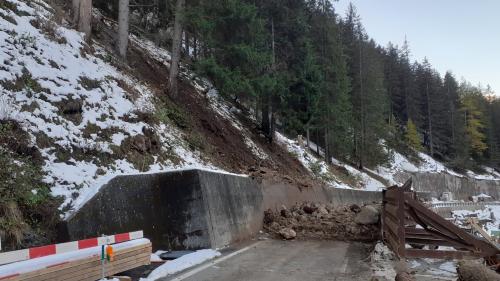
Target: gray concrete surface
{"x":461,"y":187}
{"x":289,"y":261}
{"x":188,"y":209}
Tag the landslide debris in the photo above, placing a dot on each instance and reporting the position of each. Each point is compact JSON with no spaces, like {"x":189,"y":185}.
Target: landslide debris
{"x":324,"y":222}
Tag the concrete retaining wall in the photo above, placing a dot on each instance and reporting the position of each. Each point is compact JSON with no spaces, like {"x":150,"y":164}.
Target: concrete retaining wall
{"x":177,"y":210}
{"x":461,"y":187}
{"x":275,"y":195}
{"x":193,"y":209}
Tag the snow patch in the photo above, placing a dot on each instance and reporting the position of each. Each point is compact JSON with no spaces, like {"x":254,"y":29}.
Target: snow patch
{"x":182,"y":263}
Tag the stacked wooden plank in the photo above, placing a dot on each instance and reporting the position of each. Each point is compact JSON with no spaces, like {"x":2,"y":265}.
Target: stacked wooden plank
{"x":127,"y":256}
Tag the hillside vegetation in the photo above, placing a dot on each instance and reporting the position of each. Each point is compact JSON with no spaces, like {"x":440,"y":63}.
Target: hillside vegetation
{"x":303,"y":68}
{"x":253,"y":76}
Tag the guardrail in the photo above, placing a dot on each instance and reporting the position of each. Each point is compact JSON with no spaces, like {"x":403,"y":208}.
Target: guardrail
{"x":461,"y":204}
{"x":37,"y":252}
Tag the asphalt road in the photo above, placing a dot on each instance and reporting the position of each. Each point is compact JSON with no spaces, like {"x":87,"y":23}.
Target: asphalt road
{"x":275,"y":260}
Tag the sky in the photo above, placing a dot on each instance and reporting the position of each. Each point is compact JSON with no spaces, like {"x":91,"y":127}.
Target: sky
{"x":458,"y":35}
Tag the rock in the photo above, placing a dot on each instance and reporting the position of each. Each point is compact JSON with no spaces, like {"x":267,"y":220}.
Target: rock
{"x":288,"y":233}
{"x":473,"y":271}
{"x":139,"y":143}
{"x":355,"y":208}
{"x":274,"y":225}
{"x":367,"y":215}
{"x":322,"y":210}
{"x":308,"y":209}
{"x":286,"y":213}
{"x":269,"y":216}
{"x":301,"y":218}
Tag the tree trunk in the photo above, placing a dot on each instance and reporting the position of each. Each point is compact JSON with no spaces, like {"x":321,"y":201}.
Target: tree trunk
{"x":85,"y":18}
{"x":123,"y":25}
{"x":327,"y":150}
{"x":317,"y":143}
{"x":195,"y":47}
{"x":186,"y":44}
{"x":176,"y":47}
{"x":76,"y":11}
{"x":429,"y":120}
{"x":272,"y":98}
{"x":308,"y":137}
{"x":362,"y":104}
{"x":265,"y":120}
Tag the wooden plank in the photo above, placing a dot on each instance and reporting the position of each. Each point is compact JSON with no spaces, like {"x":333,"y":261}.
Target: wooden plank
{"x":113,"y":268}
{"x":401,"y":227}
{"x":81,"y":274}
{"x":441,"y":224}
{"x":436,"y":242}
{"x":436,"y":254}
{"x":392,"y":227}
{"x":118,"y":254}
{"x":74,"y":267}
{"x":390,"y":200}
{"x":392,"y":210}
{"x":393,"y":241}
{"x":391,"y":194}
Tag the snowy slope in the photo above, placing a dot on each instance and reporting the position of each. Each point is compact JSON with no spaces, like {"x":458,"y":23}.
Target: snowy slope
{"x":400,"y":163}
{"x":53,"y":69}
{"x":323,"y":171}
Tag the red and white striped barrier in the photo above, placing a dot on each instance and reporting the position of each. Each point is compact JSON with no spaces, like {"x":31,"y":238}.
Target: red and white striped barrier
{"x":31,"y":253}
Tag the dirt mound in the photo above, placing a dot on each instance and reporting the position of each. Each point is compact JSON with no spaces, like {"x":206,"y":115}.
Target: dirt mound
{"x":320,"y":221}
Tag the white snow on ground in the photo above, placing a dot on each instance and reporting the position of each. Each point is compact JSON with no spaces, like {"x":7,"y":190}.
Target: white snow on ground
{"x":156,"y":258}
{"x":369,"y":183}
{"x":400,"y":163}
{"x":182,"y":263}
{"x":382,"y":262}
{"x":310,"y":161}
{"x":43,"y":262}
{"x":316,"y":165}
{"x":490,"y":216}
{"x":67,"y":72}
{"x":437,"y":269}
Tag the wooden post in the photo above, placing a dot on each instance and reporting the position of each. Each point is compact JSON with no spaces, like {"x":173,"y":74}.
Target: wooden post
{"x":401,"y":220}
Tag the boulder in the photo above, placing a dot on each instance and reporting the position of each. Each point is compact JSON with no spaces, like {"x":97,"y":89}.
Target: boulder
{"x":473,"y":271}
{"x":355,"y":208}
{"x":308,"y":209}
{"x":367,"y":215}
{"x":322,"y":210}
{"x":288,"y":233}
{"x":286,"y":213}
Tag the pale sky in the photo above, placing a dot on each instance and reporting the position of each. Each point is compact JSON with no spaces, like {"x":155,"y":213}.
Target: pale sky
{"x":458,"y":35}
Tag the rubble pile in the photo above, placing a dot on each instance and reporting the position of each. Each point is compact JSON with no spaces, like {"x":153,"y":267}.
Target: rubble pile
{"x":325,"y":222}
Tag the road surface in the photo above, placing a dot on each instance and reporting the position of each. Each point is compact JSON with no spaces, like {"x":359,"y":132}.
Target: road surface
{"x":287,"y":261}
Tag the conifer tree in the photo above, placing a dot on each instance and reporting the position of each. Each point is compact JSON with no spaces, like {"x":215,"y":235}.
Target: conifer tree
{"x":412,"y":137}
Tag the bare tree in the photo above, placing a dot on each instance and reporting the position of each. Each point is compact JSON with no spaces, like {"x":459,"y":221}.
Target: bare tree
{"x":176,"y":47}
{"x":76,"y":11}
{"x":123,"y":26}
{"x":82,"y":16}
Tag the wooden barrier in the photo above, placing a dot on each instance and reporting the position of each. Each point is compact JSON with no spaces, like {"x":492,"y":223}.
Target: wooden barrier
{"x":89,"y":268}
{"x":403,"y":213}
